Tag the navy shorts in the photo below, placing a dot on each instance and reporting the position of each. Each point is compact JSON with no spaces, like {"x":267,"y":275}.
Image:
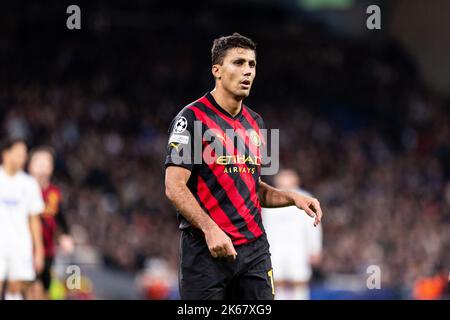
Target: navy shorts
{"x":203,"y":277}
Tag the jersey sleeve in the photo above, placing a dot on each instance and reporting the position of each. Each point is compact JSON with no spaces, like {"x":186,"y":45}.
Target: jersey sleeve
{"x":180,"y":144}
{"x":35,"y":201}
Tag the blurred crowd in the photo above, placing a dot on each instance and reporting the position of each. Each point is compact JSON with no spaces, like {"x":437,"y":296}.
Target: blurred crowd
{"x":383,"y":206}
{"x":108,"y":166}
{"x":367,"y":137}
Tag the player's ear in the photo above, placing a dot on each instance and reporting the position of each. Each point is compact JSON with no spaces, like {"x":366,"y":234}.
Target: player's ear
{"x":216,"y":71}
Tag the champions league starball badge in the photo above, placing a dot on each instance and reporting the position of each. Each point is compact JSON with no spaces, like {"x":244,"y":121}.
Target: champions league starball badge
{"x":180,"y":125}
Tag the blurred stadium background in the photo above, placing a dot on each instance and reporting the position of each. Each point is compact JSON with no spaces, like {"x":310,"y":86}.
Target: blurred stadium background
{"x":364,"y":118}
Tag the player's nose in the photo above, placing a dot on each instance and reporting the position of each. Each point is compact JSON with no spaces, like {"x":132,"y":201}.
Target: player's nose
{"x":247,"y":73}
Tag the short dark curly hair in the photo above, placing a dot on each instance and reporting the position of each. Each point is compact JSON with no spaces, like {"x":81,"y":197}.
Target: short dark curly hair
{"x":222,"y":44}
{"x":7,"y":143}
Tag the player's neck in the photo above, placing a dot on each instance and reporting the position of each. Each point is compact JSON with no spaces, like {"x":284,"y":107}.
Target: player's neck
{"x":9,"y":170}
{"x":227,"y":102}
{"x":43,"y":183}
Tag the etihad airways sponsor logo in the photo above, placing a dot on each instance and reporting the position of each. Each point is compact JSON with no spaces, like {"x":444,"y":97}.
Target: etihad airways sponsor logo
{"x":236,"y":169}
{"x":232,"y":163}
{"x":239,"y":159}
{"x":213,"y":146}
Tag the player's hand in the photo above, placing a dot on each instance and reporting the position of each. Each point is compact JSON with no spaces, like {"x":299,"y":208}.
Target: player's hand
{"x":38,"y":260}
{"x":66,"y":243}
{"x":310,"y":205}
{"x":219,"y":244}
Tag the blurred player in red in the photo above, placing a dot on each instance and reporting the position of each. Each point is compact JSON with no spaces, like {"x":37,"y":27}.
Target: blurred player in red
{"x":41,"y":167}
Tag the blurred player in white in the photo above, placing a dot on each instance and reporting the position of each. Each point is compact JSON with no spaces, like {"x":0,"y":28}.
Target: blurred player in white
{"x":295,"y":244}
{"x":21,"y":246}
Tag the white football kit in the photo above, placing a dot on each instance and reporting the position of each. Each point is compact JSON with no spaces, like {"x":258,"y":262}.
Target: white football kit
{"x":293,"y":239}
{"x":20,"y":197}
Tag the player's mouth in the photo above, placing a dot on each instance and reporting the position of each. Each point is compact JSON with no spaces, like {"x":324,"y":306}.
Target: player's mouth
{"x":245,"y":84}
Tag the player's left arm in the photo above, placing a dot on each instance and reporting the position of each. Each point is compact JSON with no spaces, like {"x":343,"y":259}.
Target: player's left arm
{"x":61,"y":220}
{"x":271,"y":197}
{"x":66,"y":241}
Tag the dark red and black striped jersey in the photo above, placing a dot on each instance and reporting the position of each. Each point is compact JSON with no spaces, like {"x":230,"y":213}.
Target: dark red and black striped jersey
{"x":51,"y":218}
{"x":224,"y":155}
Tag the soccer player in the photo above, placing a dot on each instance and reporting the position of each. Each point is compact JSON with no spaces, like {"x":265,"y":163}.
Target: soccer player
{"x":218,"y":192}
{"x":296,"y":246}
{"x":41,"y":167}
{"x":21,"y":247}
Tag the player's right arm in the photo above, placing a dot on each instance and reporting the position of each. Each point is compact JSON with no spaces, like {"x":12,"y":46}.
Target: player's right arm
{"x":179,"y":164}
{"x":178,"y":193}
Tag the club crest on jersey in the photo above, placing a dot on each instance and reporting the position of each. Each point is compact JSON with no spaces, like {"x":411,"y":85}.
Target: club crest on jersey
{"x":180,"y":126}
{"x":254,"y":138}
